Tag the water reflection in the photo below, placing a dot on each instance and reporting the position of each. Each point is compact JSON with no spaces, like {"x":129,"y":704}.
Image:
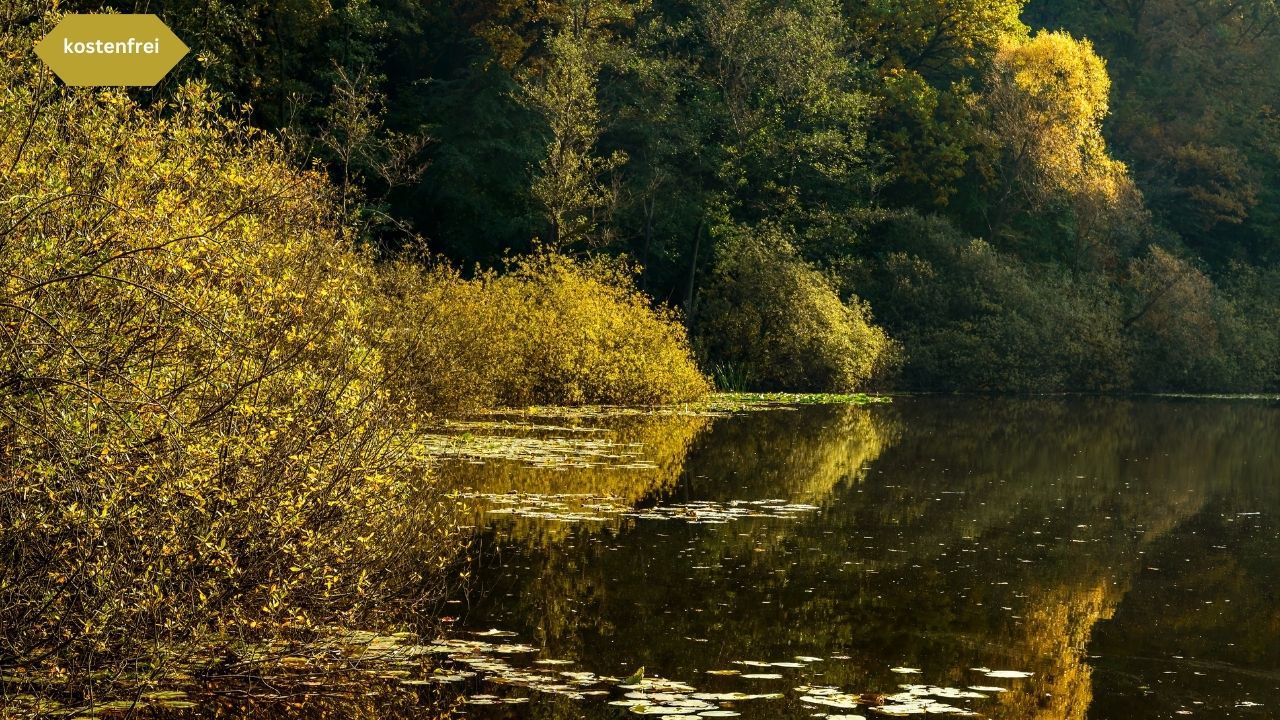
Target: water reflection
{"x":954,"y":534}
{"x":1123,"y":553}
{"x":625,"y":458}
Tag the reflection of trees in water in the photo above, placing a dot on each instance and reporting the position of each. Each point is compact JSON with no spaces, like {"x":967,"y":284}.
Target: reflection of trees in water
{"x":804,"y":455}
{"x":1203,"y":606}
{"x":660,"y":442}
{"x":1019,"y":478}
{"x":546,"y":550}
{"x":1132,"y":471}
{"x":569,"y":588}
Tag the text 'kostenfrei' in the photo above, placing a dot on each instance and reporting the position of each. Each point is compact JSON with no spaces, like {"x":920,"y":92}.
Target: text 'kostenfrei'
{"x":132,"y":46}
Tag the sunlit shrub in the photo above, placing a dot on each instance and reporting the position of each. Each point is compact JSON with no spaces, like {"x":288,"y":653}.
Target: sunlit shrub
{"x":447,"y":337}
{"x":781,"y":324}
{"x":588,"y":337}
{"x":196,"y":436}
{"x":549,"y":331}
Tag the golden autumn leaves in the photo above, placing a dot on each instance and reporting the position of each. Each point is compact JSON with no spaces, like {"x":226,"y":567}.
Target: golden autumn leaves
{"x":208,"y":402}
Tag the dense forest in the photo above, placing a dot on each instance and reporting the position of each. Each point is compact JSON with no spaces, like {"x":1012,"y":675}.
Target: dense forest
{"x":923,"y":194}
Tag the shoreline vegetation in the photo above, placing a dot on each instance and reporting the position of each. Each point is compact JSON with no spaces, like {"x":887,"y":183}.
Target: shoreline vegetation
{"x":220,"y":347}
{"x":210,"y":395}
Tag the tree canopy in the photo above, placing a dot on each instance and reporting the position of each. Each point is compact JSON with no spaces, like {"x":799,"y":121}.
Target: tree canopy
{"x":1077,"y":140}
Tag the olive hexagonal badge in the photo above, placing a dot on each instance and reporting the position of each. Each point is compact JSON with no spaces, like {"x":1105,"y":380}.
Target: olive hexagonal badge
{"x":117,"y":50}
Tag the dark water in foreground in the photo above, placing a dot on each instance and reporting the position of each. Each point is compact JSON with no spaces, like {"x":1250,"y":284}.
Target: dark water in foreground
{"x":1124,"y":553}
{"x":1000,"y":558}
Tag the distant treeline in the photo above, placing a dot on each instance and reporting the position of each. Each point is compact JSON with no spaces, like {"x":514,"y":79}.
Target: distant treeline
{"x":1002,"y":195}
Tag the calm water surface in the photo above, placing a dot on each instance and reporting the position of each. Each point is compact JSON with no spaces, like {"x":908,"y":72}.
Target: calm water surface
{"x":1121,"y":553}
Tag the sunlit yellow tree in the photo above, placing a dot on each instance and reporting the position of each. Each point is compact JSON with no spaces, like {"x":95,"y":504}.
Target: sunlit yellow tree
{"x":1048,"y":97}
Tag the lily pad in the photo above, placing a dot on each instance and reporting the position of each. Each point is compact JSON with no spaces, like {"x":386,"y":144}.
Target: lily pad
{"x":1008,"y":674}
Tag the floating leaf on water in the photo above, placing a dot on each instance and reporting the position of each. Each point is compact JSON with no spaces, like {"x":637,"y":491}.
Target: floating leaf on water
{"x":905,"y":670}
{"x":817,"y":690}
{"x":719,"y":713}
{"x":787,"y":664}
{"x":513,"y":649}
{"x":955,"y":694}
{"x":658,"y":685}
{"x":550,"y":661}
{"x":443,"y":677}
{"x":1009,"y":674}
{"x":691,"y":703}
{"x":762,"y":676}
{"x":808,"y":659}
{"x":656,"y":698}
{"x":494,"y":632}
{"x":723,"y":672}
{"x":842,"y":701}
{"x":735,"y":696}
{"x":987,"y":688}
{"x":900,"y":709}
{"x":918,"y":706}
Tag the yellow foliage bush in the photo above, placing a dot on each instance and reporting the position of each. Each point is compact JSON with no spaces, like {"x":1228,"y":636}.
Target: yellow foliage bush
{"x":196,"y":434}
{"x":775,"y":323}
{"x":549,"y":331}
{"x":206,"y":395}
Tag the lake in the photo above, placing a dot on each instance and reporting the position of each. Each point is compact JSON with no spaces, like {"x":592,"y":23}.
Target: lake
{"x":1048,"y":559}
{"x":1010,"y":558}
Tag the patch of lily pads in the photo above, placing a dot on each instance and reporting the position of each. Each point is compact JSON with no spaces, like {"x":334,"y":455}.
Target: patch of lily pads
{"x":601,"y":508}
{"x":494,"y":657}
{"x":912,"y":700}
{"x":493,"y":667}
{"x":747,"y":401}
{"x":534,"y":452}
